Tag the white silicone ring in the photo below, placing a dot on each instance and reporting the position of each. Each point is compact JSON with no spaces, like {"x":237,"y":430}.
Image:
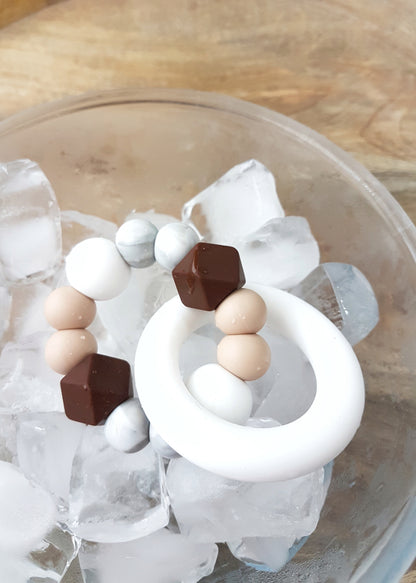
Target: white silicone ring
{"x":250,"y":453}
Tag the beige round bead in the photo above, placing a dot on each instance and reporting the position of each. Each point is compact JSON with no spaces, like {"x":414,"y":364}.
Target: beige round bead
{"x":66,"y":348}
{"x":66,"y":309}
{"x":247,"y":356}
{"x":242,"y":312}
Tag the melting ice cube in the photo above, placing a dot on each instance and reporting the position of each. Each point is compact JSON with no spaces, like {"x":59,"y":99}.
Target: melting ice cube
{"x":288,"y":388}
{"x":344,"y":295}
{"x":26,"y":381}
{"x":114,"y":496}
{"x":47,"y":563}
{"x":237,"y":204}
{"x":280,"y":253}
{"x":27,"y":512}
{"x":30,"y":228}
{"x":210,"y":508}
{"x":46,"y":445}
{"x":162,"y":557}
{"x":271,"y":553}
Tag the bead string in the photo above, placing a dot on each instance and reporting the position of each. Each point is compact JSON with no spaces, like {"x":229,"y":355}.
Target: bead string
{"x":97,"y":388}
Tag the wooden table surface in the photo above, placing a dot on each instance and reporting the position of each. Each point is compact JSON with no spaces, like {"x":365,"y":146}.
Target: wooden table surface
{"x":346,"y":68}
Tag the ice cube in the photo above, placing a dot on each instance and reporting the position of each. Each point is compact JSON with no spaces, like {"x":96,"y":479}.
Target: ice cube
{"x":27,"y":512}
{"x":272,"y":553}
{"x":5,"y":308}
{"x":30,"y":228}
{"x":26,"y":381}
{"x":114,"y":496}
{"x":27,"y":315}
{"x":344,"y":295}
{"x":126,"y":315}
{"x":47,"y":563}
{"x":197,"y":350}
{"x":162,"y":557}
{"x":239,"y":203}
{"x":288,"y":388}
{"x":106,"y":342}
{"x":46,"y":445}
{"x":210,"y":508}
{"x":78,"y":226}
{"x":280,"y":253}
{"x":263,"y":553}
{"x":8,"y":447}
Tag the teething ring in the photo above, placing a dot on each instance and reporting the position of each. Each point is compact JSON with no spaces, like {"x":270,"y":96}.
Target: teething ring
{"x":249,"y":453}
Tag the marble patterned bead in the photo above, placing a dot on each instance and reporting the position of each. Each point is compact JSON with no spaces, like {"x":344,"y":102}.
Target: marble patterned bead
{"x":127,"y":427}
{"x":66,"y":348}
{"x":173,"y":242}
{"x":95,"y":268}
{"x":135,"y":241}
{"x":245,"y":355}
{"x":221,"y":392}
{"x":242,"y":312}
{"x":160,"y":446}
{"x":66,"y":309}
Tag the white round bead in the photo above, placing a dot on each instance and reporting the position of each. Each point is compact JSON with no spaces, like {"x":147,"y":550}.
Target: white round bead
{"x":160,"y":446}
{"x":95,"y":268}
{"x":221,"y":392}
{"x":173,"y":242}
{"x":135,"y":242}
{"x":127,"y":428}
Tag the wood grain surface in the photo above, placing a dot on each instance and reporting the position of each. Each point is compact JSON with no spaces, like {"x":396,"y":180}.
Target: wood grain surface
{"x":346,"y":68}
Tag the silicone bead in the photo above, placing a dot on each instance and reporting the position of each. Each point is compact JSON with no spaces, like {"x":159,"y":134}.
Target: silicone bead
{"x":127,"y":427}
{"x":242,"y":312}
{"x":207,"y":275}
{"x":66,"y":308}
{"x":221,"y":393}
{"x":95,"y":268}
{"x":66,"y":348}
{"x":135,"y":241}
{"x":244,"y":355}
{"x":173,"y":242}
{"x":95,"y":387}
{"x":160,"y":446}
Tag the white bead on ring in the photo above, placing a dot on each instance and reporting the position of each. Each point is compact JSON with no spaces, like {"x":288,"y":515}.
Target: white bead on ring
{"x":250,"y":453}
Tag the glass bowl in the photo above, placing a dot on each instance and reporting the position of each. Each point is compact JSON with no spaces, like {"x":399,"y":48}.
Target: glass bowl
{"x":112,"y":152}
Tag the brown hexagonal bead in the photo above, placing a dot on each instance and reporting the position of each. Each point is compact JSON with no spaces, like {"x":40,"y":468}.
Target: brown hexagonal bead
{"x":95,"y":387}
{"x":207,"y":275}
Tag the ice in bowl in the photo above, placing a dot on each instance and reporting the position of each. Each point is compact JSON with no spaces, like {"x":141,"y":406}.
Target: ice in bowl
{"x":224,"y":315}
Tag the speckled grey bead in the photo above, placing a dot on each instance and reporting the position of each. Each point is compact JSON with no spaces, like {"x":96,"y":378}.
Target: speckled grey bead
{"x":160,"y":446}
{"x":127,"y":428}
{"x":135,"y":242}
{"x":173,"y":242}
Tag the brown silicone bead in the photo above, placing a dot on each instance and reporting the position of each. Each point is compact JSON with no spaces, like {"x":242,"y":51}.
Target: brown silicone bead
{"x":95,"y":387}
{"x":207,"y":275}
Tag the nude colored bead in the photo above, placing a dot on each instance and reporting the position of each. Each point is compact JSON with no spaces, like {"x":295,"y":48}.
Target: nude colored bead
{"x":66,"y":308}
{"x":67,"y":348}
{"x":245,"y":355}
{"x":242,"y":312}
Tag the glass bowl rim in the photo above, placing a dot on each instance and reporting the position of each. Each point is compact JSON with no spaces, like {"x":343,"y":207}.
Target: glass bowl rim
{"x":391,"y":211}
